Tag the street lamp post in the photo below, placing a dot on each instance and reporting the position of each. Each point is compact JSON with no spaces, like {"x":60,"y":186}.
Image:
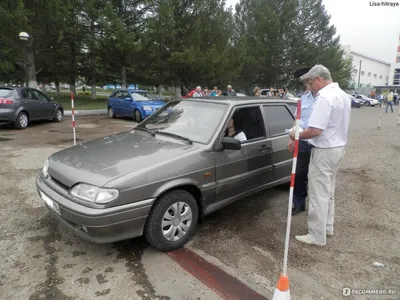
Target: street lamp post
{"x":24,"y":37}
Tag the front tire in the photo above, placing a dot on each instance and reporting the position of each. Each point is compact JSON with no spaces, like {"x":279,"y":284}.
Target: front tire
{"x":138,"y":117}
{"x":172,"y":221}
{"x":22,"y":121}
{"x":59,"y":116}
{"x":111,"y":113}
{"x":367,"y":103}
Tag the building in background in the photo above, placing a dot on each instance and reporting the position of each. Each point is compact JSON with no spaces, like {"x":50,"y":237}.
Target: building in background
{"x":394,"y":76}
{"x":368,"y":72}
{"x":395,"y":68}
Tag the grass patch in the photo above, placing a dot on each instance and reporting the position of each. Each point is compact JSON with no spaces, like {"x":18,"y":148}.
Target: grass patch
{"x":82,"y":102}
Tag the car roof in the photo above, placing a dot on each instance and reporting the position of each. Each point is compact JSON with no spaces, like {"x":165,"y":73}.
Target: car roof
{"x":231,"y":100}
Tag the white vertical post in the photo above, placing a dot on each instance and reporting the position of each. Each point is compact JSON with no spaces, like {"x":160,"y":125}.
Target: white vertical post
{"x":73,"y":117}
{"x":380,"y":117}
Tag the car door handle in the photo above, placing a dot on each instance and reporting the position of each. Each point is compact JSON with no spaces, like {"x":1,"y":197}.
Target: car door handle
{"x":265,"y":148}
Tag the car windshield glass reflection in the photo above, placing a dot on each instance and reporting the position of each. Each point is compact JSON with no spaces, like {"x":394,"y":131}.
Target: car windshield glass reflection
{"x":142,"y":96}
{"x":193,"y":120}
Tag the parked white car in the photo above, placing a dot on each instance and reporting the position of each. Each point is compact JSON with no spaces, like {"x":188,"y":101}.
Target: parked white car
{"x":366,"y":100}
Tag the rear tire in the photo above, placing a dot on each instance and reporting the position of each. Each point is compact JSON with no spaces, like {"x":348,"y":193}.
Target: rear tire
{"x":173,"y":214}
{"x":22,"y":121}
{"x":138,"y":117}
{"x":367,"y":103}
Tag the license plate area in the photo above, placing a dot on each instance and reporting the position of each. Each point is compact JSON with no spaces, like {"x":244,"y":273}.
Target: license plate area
{"x":53,"y":205}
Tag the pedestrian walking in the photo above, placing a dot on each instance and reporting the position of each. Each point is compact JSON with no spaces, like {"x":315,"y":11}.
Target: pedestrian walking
{"x":327,"y":131}
{"x":304,"y":152}
{"x":389,"y":102}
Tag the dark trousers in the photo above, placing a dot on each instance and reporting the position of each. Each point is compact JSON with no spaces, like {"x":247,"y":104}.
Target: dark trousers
{"x":301,"y":178}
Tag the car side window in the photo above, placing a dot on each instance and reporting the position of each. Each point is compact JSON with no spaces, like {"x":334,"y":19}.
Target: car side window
{"x":264,"y":92}
{"x":28,"y":94}
{"x":249,"y":121}
{"x":279,"y":118}
{"x":125,"y":95}
{"x":40,"y":95}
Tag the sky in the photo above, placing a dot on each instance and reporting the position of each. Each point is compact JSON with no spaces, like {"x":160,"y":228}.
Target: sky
{"x":370,"y":30}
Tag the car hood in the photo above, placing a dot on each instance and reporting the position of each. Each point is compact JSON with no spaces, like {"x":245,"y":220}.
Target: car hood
{"x":100,"y":161}
{"x":151,"y":103}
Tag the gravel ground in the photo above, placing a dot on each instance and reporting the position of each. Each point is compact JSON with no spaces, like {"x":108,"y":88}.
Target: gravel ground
{"x":40,"y":260}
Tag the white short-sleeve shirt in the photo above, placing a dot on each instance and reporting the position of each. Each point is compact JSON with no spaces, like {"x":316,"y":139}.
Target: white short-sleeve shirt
{"x":241,"y":136}
{"x":331,"y":114}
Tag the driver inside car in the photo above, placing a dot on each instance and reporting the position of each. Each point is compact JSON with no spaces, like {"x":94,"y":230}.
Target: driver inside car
{"x":234,"y":130}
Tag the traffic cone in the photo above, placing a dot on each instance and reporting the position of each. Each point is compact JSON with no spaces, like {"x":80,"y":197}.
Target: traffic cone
{"x":282,"y":291}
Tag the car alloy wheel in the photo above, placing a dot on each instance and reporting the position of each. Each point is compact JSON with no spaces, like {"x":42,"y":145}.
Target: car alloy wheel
{"x":172,"y":220}
{"x":367,"y":103}
{"x":176,"y":221}
{"x":59,"y":115}
{"x":22,"y":121}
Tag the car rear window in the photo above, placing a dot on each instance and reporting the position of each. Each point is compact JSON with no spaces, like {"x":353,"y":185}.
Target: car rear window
{"x":6,"y":92}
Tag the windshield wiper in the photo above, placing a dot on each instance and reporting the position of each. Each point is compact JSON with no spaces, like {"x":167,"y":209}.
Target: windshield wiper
{"x":175,"y":136}
{"x":145,"y":129}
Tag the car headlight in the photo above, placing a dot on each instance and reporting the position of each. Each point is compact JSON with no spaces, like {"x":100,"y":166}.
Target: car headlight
{"x":148,"y":108}
{"x":46,"y":168}
{"x":93,"y":193}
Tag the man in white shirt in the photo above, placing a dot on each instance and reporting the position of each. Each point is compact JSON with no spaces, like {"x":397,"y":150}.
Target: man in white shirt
{"x":198,"y":92}
{"x":327,"y":131}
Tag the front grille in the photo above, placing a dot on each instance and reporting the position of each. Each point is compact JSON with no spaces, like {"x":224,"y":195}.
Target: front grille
{"x":60,"y":184}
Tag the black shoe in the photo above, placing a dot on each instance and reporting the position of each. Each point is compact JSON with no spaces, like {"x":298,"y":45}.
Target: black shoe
{"x":297,"y":210}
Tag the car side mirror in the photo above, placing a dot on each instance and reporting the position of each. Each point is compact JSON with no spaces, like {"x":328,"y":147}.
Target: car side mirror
{"x":231,"y":143}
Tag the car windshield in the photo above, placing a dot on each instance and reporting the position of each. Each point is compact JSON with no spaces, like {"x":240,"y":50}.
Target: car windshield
{"x":195,"y":120}
{"x":142,"y":96}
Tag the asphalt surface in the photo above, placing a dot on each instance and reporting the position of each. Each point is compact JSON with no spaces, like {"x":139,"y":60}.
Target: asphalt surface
{"x":40,"y":260}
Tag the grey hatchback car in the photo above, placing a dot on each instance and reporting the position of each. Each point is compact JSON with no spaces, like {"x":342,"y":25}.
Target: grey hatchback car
{"x":162,"y":177}
{"x":21,"y":105}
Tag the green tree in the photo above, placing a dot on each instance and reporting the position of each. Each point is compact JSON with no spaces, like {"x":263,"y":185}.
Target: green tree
{"x":13,"y":20}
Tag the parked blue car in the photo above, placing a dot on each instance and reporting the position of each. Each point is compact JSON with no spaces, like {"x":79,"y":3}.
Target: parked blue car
{"x":137,"y":104}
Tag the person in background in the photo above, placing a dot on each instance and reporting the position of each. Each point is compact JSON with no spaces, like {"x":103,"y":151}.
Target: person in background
{"x":198,"y":92}
{"x":231,"y":91}
{"x":304,"y":152}
{"x":206,"y":92}
{"x":214,"y":92}
{"x":219,"y":93}
{"x":256,"y":91}
{"x":389,"y":102}
{"x":327,"y":131}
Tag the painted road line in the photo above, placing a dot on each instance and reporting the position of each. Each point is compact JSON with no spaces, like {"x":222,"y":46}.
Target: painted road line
{"x":223,"y":284}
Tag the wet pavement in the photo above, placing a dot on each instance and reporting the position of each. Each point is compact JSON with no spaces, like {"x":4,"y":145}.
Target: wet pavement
{"x":40,"y":260}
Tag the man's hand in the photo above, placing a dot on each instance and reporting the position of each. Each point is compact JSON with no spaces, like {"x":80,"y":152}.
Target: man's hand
{"x":290,"y":146}
{"x":292,"y":134}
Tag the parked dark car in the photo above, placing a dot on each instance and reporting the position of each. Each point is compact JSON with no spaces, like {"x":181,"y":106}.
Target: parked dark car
{"x":137,"y":104}
{"x":162,"y":177}
{"x":21,"y":105}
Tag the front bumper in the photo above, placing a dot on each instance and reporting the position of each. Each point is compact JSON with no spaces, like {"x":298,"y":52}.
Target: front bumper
{"x":105,"y":225}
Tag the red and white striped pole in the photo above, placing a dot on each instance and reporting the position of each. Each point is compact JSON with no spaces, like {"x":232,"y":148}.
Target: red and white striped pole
{"x":282,"y":291}
{"x":73,"y":116}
